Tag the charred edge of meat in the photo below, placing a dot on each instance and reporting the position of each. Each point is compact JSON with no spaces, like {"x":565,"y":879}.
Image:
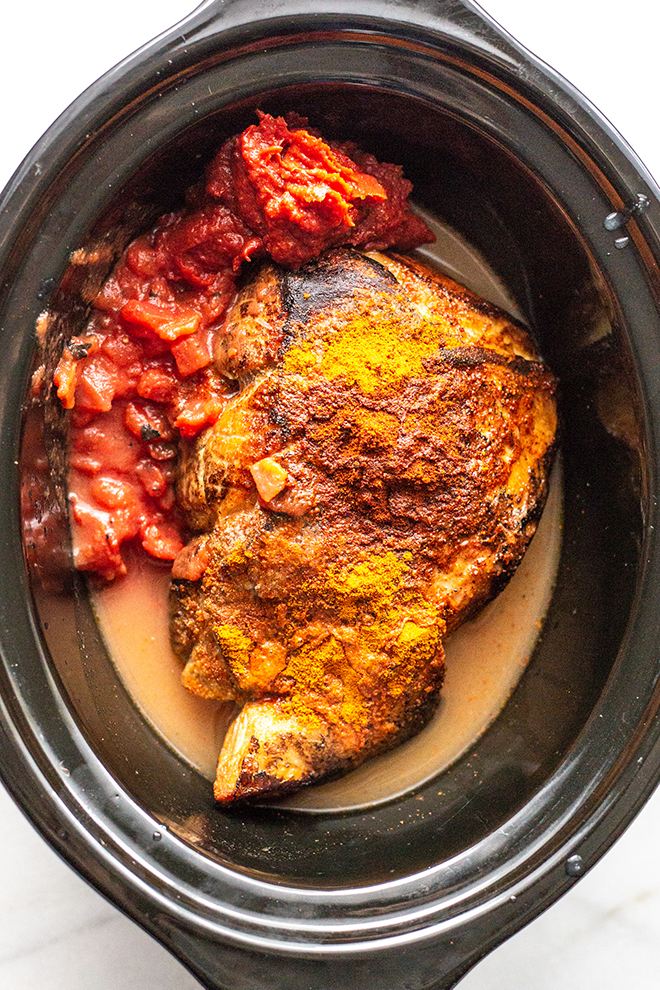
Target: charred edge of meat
{"x":263,"y":788}
{"x":539,"y":486}
{"x":458,"y":292}
{"x":474,"y":357}
{"x":279,"y":418}
{"x":336,"y":275}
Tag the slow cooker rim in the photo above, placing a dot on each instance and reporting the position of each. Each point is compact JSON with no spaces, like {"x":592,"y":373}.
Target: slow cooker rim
{"x":23,"y":186}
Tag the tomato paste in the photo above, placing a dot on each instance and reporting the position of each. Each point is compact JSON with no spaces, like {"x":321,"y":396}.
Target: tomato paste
{"x":141,"y":376}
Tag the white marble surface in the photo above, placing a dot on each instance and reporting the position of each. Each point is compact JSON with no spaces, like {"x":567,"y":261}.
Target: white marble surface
{"x":58,"y":934}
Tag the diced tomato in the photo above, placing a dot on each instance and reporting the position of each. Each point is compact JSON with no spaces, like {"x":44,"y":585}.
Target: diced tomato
{"x":192,"y":353}
{"x":167,"y":324}
{"x":152,"y":477}
{"x":162,"y":539}
{"x":122,"y":501}
{"x":196,"y":414}
{"x":112,"y":493}
{"x":65,"y":378}
{"x":158,"y":383}
{"x":141,"y":258}
{"x":121,"y":349}
{"x":98,"y":383}
{"x":147,"y":421}
{"x":161,"y":450}
{"x":122,"y":285}
{"x":105,"y":445}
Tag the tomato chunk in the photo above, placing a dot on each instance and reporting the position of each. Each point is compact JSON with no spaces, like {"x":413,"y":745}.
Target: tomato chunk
{"x":165,"y":324}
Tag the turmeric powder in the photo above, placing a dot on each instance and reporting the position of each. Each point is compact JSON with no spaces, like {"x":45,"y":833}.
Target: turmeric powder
{"x":369,"y":351}
{"x":371,"y":599}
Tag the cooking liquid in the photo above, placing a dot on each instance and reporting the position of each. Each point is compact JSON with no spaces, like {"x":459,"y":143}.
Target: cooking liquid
{"x":484,"y":657}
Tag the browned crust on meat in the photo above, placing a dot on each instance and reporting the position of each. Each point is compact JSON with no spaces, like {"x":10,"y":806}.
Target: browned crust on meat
{"x":414,"y":426}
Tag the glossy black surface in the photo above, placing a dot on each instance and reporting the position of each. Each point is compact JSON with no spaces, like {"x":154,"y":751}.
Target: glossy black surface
{"x":411,"y":893}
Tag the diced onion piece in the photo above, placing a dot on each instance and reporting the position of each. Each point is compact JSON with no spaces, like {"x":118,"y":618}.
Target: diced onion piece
{"x":269,"y":477}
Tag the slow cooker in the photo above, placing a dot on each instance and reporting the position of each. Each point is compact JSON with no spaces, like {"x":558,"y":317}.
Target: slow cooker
{"x":412,"y":892}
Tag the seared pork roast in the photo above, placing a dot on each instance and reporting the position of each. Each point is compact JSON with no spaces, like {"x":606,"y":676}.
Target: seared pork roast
{"x":374,"y":481}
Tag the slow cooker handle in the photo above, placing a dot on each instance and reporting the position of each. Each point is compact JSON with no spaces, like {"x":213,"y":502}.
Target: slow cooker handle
{"x":461,"y":22}
{"x":223,"y":967}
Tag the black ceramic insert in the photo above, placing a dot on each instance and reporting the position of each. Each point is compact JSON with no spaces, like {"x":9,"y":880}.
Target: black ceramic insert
{"x":411,"y":893}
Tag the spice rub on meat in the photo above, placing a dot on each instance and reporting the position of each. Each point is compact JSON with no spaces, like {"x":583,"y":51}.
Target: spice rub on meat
{"x":374,"y":481}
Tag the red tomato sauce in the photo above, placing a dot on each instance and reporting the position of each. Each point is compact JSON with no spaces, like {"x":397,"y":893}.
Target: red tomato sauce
{"x":142,"y":376}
